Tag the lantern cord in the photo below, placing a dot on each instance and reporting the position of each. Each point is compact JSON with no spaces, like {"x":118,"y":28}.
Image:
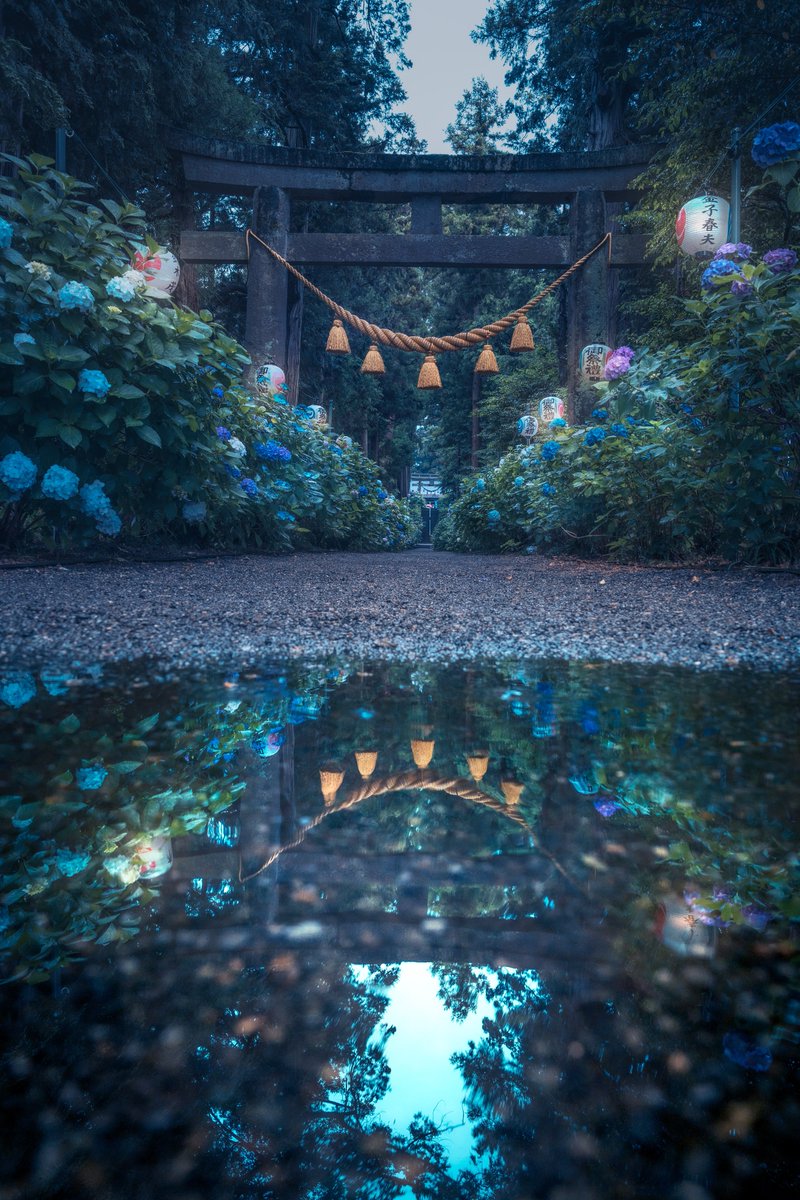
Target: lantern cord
{"x":412,"y":342}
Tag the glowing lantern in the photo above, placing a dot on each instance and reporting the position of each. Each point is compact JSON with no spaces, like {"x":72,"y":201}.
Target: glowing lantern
{"x":702,"y":226}
{"x":161,"y":270}
{"x":593,"y":360}
{"x":527,"y":426}
{"x":316,"y":414}
{"x":270,"y":379}
{"x":550,"y":407}
{"x":156,"y":855}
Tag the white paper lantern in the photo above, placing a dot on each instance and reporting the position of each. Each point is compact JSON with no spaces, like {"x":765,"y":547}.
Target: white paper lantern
{"x":161,"y":270}
{"x":550,"y":407}
{"x":527,"y":426}
{"x":702,"y":226}
{"x":156,"y":855}
{"x":316,"y":414}
{"x":593,"y":360}
{"x":271,"y":380}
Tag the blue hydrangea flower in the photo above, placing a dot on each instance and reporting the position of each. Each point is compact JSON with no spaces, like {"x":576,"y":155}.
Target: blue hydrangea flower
{"x":718,"y":268}
{"x":218,"y":392}
{"x":746,"y":1053}
{"x":60,"y":483}
{"x":76,"y":295}
{"x":382,"y":494}
{"x":70,"y":862}
{"x":249,"y":486}
{"x":17,"y":472}
{"x":776,"y":143}
{"x":224,"y":433}
{"x":548,"y":489}
{"x":234,"y":472}
{"x":619,"y":430}
{"x":493,"y":516}
{"x":121,"y":288}
{"x":550,"y":450}
{"x":283,"y":515}
{"x":519,"y":480}
{"x":594,"y":436}
{"x":600,"y":414}
{"x":696,"y":423}
{"x":96,"y":504}
{"x":558,"y":423}
{"x":89,"y":779}
{"x":479,"y":485}
{"x":23,"y":339}
{"x":6,"y":234}
{"x":17,"y":688}
{"x":109,"y":523}
{"x":363,"y":490}
{"x":93,"y":383}
{"x":781,"y":260}
{"x":194,"y":510}
{"x":272,"y":451}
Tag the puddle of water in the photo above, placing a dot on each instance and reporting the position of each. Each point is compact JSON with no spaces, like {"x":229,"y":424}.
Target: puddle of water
{"x":343,"y":929}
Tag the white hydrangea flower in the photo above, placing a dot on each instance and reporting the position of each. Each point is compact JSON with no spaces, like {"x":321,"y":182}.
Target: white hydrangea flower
{"x":122,"y":869}
{"x":237,"y":446}
{"x":39,"y":269}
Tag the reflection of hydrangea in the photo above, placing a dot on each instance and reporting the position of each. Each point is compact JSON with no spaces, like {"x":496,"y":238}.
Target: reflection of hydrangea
{"x":55,"y":683}
{"x":548,"y":489}
{"x":606,"y":806}
{"x":76,"y":295}
{"x":776,"y":143}
{"x":194,"y":510}
{"x":249,"y":486}
{"x":283,"y":515}
{"x":600,"y":414}
{"x":737,"y":251}
{"x":69,"y":862}
{"x":550,"y":450}
{"x":23,"y":339}
{"x":272,"y":451}
{"x":89,"y":779}
{"x":746,"y":1053}
{"x":94,"y":383}
{"x":594,"y":436}
{"x":17,"y":471}
{"x":267,"y":746}
{"x":60,"y":483}
{"x":122,"y":869}
{"x":121,"y":288}
{"x":6,"y":234}
{"x":619,"y":363}
{"x":781,"y":260}
{"x":39,"y":270}
{"x":718,"y":268}
{"x":17,"y":688}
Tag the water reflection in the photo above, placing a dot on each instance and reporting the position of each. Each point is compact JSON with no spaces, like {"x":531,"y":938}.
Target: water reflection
{"x":385,"y":931}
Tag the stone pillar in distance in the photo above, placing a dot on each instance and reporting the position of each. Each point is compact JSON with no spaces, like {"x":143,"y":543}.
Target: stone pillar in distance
{"x":587,"y":296}
{"x":266,"y":330}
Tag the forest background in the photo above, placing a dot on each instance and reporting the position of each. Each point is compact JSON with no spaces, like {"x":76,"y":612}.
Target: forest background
{"x":328,"y":74}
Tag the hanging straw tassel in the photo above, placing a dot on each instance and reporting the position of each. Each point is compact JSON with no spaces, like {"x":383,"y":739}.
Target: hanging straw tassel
{"x":366,"y":761}
{"x":429,"y":376}
{"x":522,"y":337}
{"x":478,"y":765}
{"x":512,"y":790}
{"x":373,"y":363}
{"x":487,"y":363}
{"x":422,"y":752}
{"x":337,"y":339}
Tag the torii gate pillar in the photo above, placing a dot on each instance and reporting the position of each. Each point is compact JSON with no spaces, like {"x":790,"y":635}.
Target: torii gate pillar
{"x":266,"y":330}
{"x":587,"y":298}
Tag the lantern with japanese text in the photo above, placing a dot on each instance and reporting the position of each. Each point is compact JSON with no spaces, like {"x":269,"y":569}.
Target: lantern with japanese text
{"x":527,"y":426}
{"x":160,"y":268}
{"x":702,"y":226}
{"x":550,"y":407}
{"x":270,"y":380}
{"x":593,"y":360}
{"x":316,"y":414}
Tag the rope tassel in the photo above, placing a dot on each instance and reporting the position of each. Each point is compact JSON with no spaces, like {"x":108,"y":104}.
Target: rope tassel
{"x":487,"y":363}
{"x":373,"y":363}
{"x":337,"y":339}
{"x":522,"y":337}
{"x":429,"y":376}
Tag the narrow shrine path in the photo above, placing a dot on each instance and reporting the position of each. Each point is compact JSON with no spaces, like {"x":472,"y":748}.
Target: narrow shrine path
{"x":414,"y":605}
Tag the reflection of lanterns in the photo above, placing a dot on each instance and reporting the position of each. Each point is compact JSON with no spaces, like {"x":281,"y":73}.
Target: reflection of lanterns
{"x":593,"y":361}
{"x":677,"y":927}
{"x":160,"y":268}
{"x":512,"y":790}
{"x":156,"y":855}
{"x":366,"y":762}
{"x":550,"y":407}
{"x":527,"y":426}
{"x":316,"y":414}
{"x":270,"y":379}
{"x":478,"y":764}
{"x":702,"y":226}
{"x":331,"y":777}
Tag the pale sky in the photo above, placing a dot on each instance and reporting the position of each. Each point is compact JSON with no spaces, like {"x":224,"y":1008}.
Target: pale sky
{"x":445,"y":62}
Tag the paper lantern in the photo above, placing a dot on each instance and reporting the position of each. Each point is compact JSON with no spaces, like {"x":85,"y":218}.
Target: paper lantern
{"x":550,"y":407}
{"x":161,"y":270}
{"x":345,"y":442}
{"x":593,"y":361}
{"x":270,"y":379}
{"x":156,"y":855}
{"x":527,"y":426}
{"x":702,"y":226}
{"x":316,"y":414}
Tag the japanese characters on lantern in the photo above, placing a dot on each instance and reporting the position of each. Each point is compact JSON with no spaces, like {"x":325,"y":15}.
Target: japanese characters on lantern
{"x":702,"y":226}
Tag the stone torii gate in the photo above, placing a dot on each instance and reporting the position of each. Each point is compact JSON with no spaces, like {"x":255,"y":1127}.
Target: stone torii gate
{"x":592,"y":183}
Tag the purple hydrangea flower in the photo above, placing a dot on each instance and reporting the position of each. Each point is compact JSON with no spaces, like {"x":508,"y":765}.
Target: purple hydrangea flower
{"x":249,"y":486}
{"x":737,"y":251}
{"x":718,"y":268}
{"x":780,"y":260}
{"x":776,"y":143}
{"x":741,"y":287}
{"x":619,"y":363}
{"x":606,"y":806}
{"x":272,"y":451}
{"x":223,"y":433}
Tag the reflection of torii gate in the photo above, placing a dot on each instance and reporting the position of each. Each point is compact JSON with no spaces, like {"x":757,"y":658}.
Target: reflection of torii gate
{"x":588,"y":182}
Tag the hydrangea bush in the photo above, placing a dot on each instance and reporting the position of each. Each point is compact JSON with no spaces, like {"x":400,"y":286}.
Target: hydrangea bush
{"x":700,"y":451}
{"x":115,"y":405}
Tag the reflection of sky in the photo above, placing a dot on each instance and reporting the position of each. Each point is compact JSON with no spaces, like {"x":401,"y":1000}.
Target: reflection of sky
{"x":422,"y":1077}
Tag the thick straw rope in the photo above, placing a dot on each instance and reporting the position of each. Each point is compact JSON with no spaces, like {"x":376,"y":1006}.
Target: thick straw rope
{"x":412,"y":342}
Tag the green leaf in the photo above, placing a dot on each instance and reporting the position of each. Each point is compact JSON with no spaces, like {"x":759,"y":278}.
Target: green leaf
{"x":125,"y":768}
{"x":70,"y":724}
{"x":148,"y":434}
{"x":69,"y":434}
{"x":63,"y":379}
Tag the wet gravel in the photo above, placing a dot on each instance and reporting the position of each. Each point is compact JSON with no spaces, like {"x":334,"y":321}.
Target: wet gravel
{"x":406,"y":606}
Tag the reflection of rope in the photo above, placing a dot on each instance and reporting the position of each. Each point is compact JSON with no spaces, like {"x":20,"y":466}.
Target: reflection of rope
{"x":424,"y":345}
{"x":399,"y":782}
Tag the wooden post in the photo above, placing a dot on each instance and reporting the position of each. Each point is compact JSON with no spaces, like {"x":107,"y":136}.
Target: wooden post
{"x":267,"y":281}
{"x":476,"y":431}
{"x":587,"y":295}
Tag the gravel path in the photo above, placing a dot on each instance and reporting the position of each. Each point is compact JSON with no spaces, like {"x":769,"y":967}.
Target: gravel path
{"x":413,"y":605}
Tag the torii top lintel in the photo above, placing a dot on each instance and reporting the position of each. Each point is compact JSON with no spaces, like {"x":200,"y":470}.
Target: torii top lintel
{"x":230,"y":168}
